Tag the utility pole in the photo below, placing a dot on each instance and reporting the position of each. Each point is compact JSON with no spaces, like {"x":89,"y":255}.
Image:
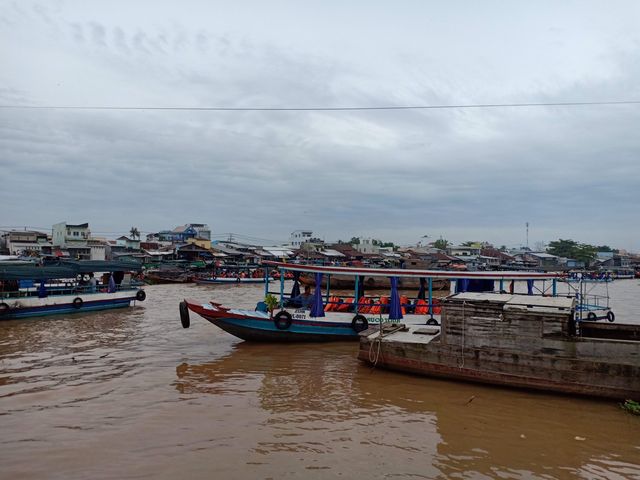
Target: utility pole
{"x":527,"y":224}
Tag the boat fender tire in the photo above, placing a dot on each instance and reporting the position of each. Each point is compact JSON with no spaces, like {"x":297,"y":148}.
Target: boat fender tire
{"x":77,"y":303}
{"x":238,"y":280}
{"x":4,"y":309}
{"x":432,"y":321}
{"x":141,"y":295}
{"x":282,"y":320}
{"x":610,"y":316}
{"x":184,"y":315}
{"x":359,"y":323}
{"x":591,"y":316}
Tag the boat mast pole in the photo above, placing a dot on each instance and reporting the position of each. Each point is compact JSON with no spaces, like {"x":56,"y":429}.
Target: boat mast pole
{"x":282,"y":272}
{"x":430,"y":284}
{"x":266,"y":281}
{"x":355,"y":293}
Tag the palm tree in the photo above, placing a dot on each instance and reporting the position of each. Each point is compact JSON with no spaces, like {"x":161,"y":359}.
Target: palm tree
{"x":134,"y":233}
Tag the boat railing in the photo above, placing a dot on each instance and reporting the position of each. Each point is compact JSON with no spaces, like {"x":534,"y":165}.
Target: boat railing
{"x":65,"y":289}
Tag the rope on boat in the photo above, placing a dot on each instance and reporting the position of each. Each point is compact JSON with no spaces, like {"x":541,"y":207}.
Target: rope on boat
{"x":377,"y":342}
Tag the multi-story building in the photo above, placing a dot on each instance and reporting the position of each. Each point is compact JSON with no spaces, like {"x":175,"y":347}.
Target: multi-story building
{"x":366,"y":246}
{"x":299,"y":237}
{"x":72,"y":238}
{"x":182,"y":233}
{"x":26,"y":242}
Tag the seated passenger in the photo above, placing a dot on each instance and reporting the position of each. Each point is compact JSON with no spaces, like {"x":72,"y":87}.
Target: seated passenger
{"x":304,"y":299}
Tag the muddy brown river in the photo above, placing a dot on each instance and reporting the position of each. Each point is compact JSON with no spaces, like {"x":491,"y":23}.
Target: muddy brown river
{"x":130,"y":394}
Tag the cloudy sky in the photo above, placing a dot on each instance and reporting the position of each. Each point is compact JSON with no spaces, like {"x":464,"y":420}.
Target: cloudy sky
{"x":460,"y":173}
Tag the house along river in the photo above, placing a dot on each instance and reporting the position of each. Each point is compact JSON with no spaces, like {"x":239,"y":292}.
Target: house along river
{"x":130,"y":394}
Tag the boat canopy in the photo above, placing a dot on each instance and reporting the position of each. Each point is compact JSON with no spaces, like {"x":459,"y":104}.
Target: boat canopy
{"x":401,"y":272}
{"x":64,"y":269}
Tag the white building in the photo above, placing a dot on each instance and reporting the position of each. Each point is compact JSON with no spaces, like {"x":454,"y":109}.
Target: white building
{"x":72,"y":238}
{"x":202,"y":230}
{"x":299,"y":237}
{"x":366,"y":246}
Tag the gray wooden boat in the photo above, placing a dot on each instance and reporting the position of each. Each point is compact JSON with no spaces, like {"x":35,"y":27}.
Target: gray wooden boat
{"x":522,"y":341}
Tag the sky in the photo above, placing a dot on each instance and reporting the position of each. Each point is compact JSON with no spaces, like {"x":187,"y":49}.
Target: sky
{"x":462,"y":174}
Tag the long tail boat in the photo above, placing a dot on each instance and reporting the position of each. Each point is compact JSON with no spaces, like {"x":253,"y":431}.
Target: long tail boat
{"x":331,"y":317}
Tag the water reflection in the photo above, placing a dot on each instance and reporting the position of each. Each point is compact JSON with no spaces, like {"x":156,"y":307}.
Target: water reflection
{"x":448,"y":429}
{"x":42,"y":354}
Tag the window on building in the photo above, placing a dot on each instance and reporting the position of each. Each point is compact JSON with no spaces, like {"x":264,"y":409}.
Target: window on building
{"x":75,"y":234}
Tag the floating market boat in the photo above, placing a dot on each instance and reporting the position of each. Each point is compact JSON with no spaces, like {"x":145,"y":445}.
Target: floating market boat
{"x":327,"y":317}
{"x":532,"y":342}
{"x":66,"y":287}
{"x":234,"y":274}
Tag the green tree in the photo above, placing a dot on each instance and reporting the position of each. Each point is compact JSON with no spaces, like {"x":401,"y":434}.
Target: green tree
{"x":134,"y":233}
{"x":354,"y":241}
{"x":441,"y":244}
{"x":572,"y":249}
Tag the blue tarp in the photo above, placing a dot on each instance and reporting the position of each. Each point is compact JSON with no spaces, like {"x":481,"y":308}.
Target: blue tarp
{"x":395,"y":309}
{"x":317,"y":307}
{"x":474,"y":285}
{"x":421,"y":293}
{"x":529,"y":287}
{"x":42,"y":290}
{"x":295,"y":291}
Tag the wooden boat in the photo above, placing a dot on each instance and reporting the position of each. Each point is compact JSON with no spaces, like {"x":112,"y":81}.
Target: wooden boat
{"x":167,"y":276}
{"x":63,"y":288}
{"x":331,"y":317}
{"x":234,"y":274}
{"x":228,"y":280}
{"x":523,"y":341}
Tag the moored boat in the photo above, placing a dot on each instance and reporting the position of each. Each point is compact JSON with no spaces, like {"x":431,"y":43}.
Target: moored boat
{"x":69,"y":287}
{"x":330,"y":317}
{"x":228,"y":280}
{"x":523,"y":341}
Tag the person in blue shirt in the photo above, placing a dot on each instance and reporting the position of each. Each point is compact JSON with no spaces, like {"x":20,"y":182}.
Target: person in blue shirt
{"x":304,"y":299}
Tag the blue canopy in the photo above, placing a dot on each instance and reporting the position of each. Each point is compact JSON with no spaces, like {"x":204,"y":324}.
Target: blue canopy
{"x":317,"y":308}
{"x":395,"y":309}
{"x":295,"y":291}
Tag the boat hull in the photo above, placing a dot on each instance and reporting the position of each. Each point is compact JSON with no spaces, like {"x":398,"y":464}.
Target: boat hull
{"x":261,"y":327}
{"x":27,"y":307}
{"x":545,"y":373}
{"x":229,"y":281}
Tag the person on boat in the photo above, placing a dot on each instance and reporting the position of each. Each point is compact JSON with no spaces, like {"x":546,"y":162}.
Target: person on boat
{"x":93,"y":282}
{"x":304,"y":299}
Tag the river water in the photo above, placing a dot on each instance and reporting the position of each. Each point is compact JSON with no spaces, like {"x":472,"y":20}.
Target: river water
{"x":131,"y":394}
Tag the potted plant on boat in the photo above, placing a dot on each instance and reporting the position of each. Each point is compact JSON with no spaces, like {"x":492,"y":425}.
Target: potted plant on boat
{"x":272,"y":303}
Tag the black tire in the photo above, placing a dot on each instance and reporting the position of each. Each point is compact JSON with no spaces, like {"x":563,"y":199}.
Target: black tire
{"x":591,"y":316}
{"x":238,"y":280}
{"x":432,"y":321}
{"x":184,"y":315}
{"x":77,"y":303}
{"x":359,"y":323}
{"x":611,"y":316}
{"x":282,"y":320}
{"x":141,"y":295}
{"x":4,"y":309}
